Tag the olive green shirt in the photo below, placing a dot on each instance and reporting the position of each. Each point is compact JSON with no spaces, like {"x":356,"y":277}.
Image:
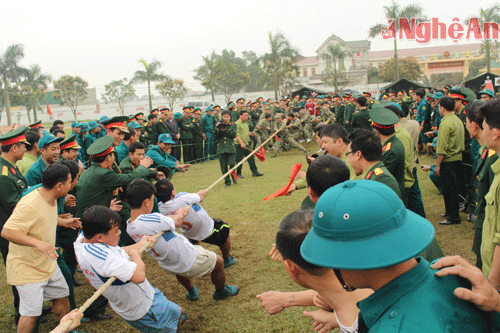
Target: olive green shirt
{"x":242,"y":131}
{"x":451,"y":138}
{"x":403,"y":135}
{"x":491,"y":225}
{"x":361,"y":119}
{"x":27,"y":161}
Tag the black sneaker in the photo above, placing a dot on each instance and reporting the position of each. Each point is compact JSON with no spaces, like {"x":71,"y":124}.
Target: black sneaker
{"x":258,"y":174}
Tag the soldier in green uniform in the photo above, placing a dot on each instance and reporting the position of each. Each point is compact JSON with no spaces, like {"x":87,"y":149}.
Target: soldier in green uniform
{"x":241,"y":143}
{"x":151,"y":135}
{"x":348,"y":112}
{"x":466,"y":187}
{"x":365,"y":156}
{"x":50,"y":151}
{"x":393,"y":151}
{"x":91,"y":135}
{"x":262,"y":130}
{"x":160,"y":154}
{"x":69,"y":149}
{"x":161,"y":127}
{"x":327,"y":116}
{"x":32,"y":152}
{"x":450,"y":146}
{"x":225,"y":132}
{"x":208,"y":125}
{"x":185,"y":126}
{"x":361,"y":118}
{"x":369,"y":100}
{"x":198,"y":136}
{"x":378,"y":250}
{"x":338,"y":109}
{"x":116,"y":129}
{"x":483,"y":176}
{"x":12,"y":184}
{"x":284,"y":137}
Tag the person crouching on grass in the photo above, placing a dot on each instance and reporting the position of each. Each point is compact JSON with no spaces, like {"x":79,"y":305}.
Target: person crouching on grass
{"x":131,"y":296}
{"x":174,"y":252}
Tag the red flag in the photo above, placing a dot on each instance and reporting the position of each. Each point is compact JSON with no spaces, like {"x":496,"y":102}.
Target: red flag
{"x":261,"y":157}
{"x":278,"y":139}
{"x":284,"y":190}
{"x":48,"y":109}
{"x":233,"y":173}
{"x":262,"y":151}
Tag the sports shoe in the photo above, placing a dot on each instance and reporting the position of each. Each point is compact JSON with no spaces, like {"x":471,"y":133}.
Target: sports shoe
{"x":184,"y":317}
{"x":228,"y":291}
{"x":193,"y":294}
{"x":229,"y":261}
{"x":301,"y":141}
{"x":308,"y":140}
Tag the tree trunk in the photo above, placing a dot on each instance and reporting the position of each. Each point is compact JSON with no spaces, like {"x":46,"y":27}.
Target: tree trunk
{"x":7,"y":103}
{"x":334,"y":75}
{"x":34,"y":111}
{"x":149,"y":94}
{"x":396,"y":60}
{"x":213,"y":94}
{"x":488,"y":55}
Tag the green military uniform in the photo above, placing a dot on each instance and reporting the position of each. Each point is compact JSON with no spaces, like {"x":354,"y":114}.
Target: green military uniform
{"x":491,"y":224}
{"x":378,"y":172}
{"x":409,"y":147}
{"x":161,"y":127}
{"x":224,"y":136}
{"x":339,"y":114}
{"x":151,"y":136}
{"x":296,"y":129}
{"x":306,"y":120}
{"x":242,"y":130}
{"x":451,"y":144}
{"x":262,"y":131}
{"x":467,"y":188}
{"x":185,"y":126}
{"x":285,"y":137}
{"x":393,"y":156}
{"x":349,"y":112}
{"x":327,"y":115}
{"x":197,"y":131}
{"x":482,"y":181}
{"x":98,"y":185}
{"x":361,"y":119}
{"x":35,"y":172}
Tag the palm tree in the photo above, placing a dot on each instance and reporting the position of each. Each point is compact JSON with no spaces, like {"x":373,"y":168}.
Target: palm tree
{"x":10,"y":72}
{"x":335,"y":53}
{"x":34,"y":85}
{"x":395,"y":11}
{"x":279,"y":62}
{"x":149,"y":74}
{"x":491,"y":14}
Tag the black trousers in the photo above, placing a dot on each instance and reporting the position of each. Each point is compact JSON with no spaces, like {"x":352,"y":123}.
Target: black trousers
{"x":451,"y":178}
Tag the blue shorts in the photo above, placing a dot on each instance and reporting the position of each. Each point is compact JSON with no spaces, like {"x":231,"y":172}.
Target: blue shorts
{"x":162,"y":317}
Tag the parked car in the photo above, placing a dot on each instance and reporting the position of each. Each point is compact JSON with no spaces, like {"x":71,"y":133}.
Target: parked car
{"x":203,"y":105}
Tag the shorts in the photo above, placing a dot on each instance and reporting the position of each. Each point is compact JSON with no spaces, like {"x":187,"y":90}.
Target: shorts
{"x":219,"y":235}
{"x":163,"y":316}
{"x":203,"y":265}
{"x":32,"y":295}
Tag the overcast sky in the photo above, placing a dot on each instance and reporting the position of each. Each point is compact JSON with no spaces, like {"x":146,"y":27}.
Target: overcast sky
{"x":102,"y":41}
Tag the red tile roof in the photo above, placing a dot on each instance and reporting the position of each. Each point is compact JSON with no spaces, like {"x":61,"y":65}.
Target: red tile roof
{"x":308,"y":61}
{"x":426,"y":51}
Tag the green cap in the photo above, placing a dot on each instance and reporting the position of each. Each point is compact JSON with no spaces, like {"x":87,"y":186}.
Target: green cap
{"x":134,"y":124}
{"x":383,"y":117}
{"x":14,"y":136}
{"x":101,"y":147}
{"x":70,"y":143}
{"x":47,"y":139}
{"x":379,"y":233}
{"x":166,"y":138}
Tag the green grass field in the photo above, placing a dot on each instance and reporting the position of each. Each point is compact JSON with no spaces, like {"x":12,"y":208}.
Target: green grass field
{"x":253,"y":224}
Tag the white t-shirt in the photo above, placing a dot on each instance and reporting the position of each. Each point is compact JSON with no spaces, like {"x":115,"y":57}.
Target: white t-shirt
{"x":197,"y":225}
{"x":345,"y":329}
{"x":173,"y":251}
{"x":99,"y":262}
